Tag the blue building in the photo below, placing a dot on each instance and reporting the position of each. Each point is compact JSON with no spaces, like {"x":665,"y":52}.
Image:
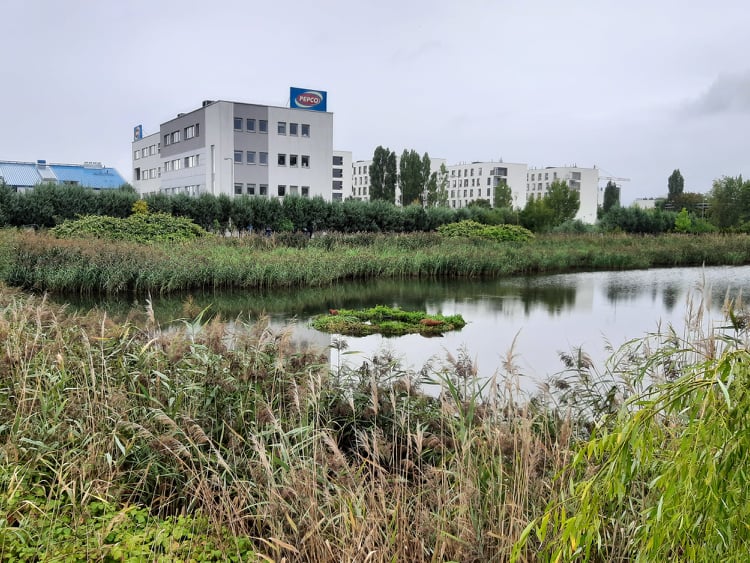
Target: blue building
{"x":22,"y":176}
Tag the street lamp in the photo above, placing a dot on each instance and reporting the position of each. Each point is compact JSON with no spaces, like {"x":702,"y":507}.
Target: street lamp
{"x":231,"y":163}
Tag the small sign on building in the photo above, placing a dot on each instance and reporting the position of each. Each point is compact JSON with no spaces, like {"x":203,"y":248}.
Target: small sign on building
{"x":302,"y":98}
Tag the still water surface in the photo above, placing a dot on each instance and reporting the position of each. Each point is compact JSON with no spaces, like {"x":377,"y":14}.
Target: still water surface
{"x":537,"y":317}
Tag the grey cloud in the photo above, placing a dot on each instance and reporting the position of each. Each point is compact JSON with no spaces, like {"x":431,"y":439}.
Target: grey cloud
{"x":729,"y":93}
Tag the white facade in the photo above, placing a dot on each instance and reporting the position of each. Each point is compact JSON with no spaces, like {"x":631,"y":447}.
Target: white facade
{"x":341,"y":185}
{"x":235,"y":148}
{"x":469,"y":182}
{"x":584,"y":180}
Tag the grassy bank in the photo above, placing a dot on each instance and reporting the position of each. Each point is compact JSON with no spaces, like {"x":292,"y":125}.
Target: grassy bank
{"x":125,"y":442}
{"x":41,"y":262}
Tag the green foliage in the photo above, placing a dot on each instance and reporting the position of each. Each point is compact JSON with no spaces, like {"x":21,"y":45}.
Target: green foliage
{"x":683,"y":223}
{"x":383,"y":175}
{"x":500,"y":233}
{"x":562,"y":201}
{"x":611,"y":196}
{"x":636,"y":220}
{"x":675,"y":185}
{"x":503,"y":196}
{"x":387,"y":321}
{"x":729,"y":202}
{"x":142,"y":228}
{"x":140,"y":207}
{"x":411,"y":177}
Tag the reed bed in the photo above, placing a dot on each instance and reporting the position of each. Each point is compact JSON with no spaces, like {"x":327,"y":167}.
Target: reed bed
{"x":40,"y":262}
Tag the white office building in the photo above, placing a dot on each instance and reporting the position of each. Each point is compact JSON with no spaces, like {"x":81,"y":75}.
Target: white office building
{"x":360,"y":185}
{"x":235,"y":148}
{"x":584,"y":180}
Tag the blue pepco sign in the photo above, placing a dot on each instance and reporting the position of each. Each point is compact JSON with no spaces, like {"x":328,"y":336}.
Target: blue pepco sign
{"x":301,"y":98}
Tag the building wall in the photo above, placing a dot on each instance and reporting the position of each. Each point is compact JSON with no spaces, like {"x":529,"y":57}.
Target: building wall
{"x":469,"y":182}
{"x":235,"y":148}
{"x":341,"y":182}
{"x":146,"y":176}
{"x":585,"y":180}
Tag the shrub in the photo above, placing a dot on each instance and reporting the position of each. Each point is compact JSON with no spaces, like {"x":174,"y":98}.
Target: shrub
{"x":136,"y":228}
{"x":500,"y":233}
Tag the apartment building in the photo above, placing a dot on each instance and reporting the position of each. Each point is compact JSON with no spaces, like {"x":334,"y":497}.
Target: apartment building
{"x":235,"y":148}
{"x":584,"y":180}
{"x":469,"y":182}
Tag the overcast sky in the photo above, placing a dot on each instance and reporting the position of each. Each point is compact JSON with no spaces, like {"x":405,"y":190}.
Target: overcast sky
{"x":636,"y":88}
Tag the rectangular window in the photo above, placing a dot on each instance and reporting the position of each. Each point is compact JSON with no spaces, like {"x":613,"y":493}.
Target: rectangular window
{"x":264,"y":189}
{"x":293,"y":128}
{"x":176,"y":164}
{"x":189,"y":132}
{"x":488,"y":192}
{"x":263,"y":158}
{"x":152,"y":173}
{"x":176,"y":137}
{"x":238,"y":124}
{"x":250,"y":125}
{"x":167,"y":140}
{"x":305,"y":130}
{"x":305,"y":191}
{"x":305,"y":161}
{"x":338,"y":184}
{"x":251,"y":189}
{"x":337,"y":197}
{"x":293,"y":190}
{"x":293,"y":160}
{"x":281,"y":128}
{"x":338,"y":160}
{"x":338,"y":173}
{"x":251,"y":157}
{"x":263,"y":125}
{"x":137,"y":154}
{"x":144,"y":176}
{"x":238,"y":157}
{"x":238,"y":189}
{"x":281,"y":190}
{"x":281,"y":159}
{"x":168,"y":166}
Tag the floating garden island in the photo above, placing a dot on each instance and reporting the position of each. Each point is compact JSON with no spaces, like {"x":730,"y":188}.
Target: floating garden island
{"x":386,"y":321}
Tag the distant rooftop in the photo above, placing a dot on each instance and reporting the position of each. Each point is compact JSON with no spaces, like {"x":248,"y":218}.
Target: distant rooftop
{"x":89,"y":174}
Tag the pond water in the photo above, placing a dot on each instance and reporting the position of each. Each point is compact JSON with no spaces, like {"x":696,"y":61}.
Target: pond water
{"x":535,"y":317}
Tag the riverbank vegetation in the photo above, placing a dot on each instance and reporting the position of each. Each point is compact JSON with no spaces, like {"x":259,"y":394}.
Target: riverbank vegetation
{"x":388,"y":321}
{"x":41,"y":262}
{"x":220,"y":441}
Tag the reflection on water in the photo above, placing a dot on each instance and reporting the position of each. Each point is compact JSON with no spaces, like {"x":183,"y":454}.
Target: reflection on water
{"x":537,"y":317}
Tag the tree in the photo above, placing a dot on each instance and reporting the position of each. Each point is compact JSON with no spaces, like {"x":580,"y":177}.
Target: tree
{"x":437,"y":188}
{"x":383,"y":175}
{"x":426,"y":176}
{"x":611,"y":197}
{"x":729,"y":202}
{"x":503,"y":195}
{"x":675,"y":185}
{"x":411,"y":177}
{"x":562,"y":202}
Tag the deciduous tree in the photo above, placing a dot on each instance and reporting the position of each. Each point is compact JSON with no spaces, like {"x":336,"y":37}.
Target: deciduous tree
{"x":675,"y":185}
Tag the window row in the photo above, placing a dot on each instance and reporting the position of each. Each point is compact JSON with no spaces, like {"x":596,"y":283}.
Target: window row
{"x":262,"y":189}
{"x":469,"y":193}
{"x":291,"y":160}
{"x":193,"y":189}
{"x":467,"y":172}
{"x":538,"y":176}
{"x":180,"y":163}
{"x":252,"y":125}
{"x":187,"y":133}
{"x":465,"y":182}
{"x":146,"y":173}
{"x":146,"y":151}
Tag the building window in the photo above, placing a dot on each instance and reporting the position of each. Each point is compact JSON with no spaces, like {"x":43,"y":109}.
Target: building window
{"x":488,"y":181}
{"x":175,"y":137}
{"x":238,"y":189}
{"x":144,"y":176}
{"x":281,"y":160}
{"x":251,"y":157}
{"x":293,"y":190}
{"x":337,"y":197}
{"x":189,"y":132}
{"x":338,"y":173}
{"x":238,"y":157}
{"x":305,"y":130}
{"x":305,"y":191}
{"x":191,"y":161}
{"x":263,"y":158}
{"x":251,"y":189}
{"x":167,"y":140}
{"x":281,"y":128}
{"x":338,"y":184}
{"x":264,"y":189}
{"x":488,"y":192}
{"x":305,"y":161}
{"x":263,"y":125}
{"x":293,"y":160}
{"x":281,"y":190}
{"x":250,"y":125}
{"x":293,"y":129}
{"x":238,"y":124}
{"x":338,"y":160}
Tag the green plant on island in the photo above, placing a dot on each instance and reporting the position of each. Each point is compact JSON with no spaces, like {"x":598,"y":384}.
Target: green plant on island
{"x":387,"y":321}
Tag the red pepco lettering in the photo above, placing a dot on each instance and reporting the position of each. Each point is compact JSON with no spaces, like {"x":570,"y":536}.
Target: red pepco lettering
{"x":308,"y":99}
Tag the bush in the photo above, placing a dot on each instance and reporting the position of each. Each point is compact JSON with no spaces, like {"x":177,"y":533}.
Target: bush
{"x":150,"y":227}
{"x":500,"y":233}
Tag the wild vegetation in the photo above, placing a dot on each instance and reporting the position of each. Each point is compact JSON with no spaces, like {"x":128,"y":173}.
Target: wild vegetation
{"x":41,"y":262}
{"x":215,"y":441}
{"x":139,"y":227}
{"x":388,"y":321}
